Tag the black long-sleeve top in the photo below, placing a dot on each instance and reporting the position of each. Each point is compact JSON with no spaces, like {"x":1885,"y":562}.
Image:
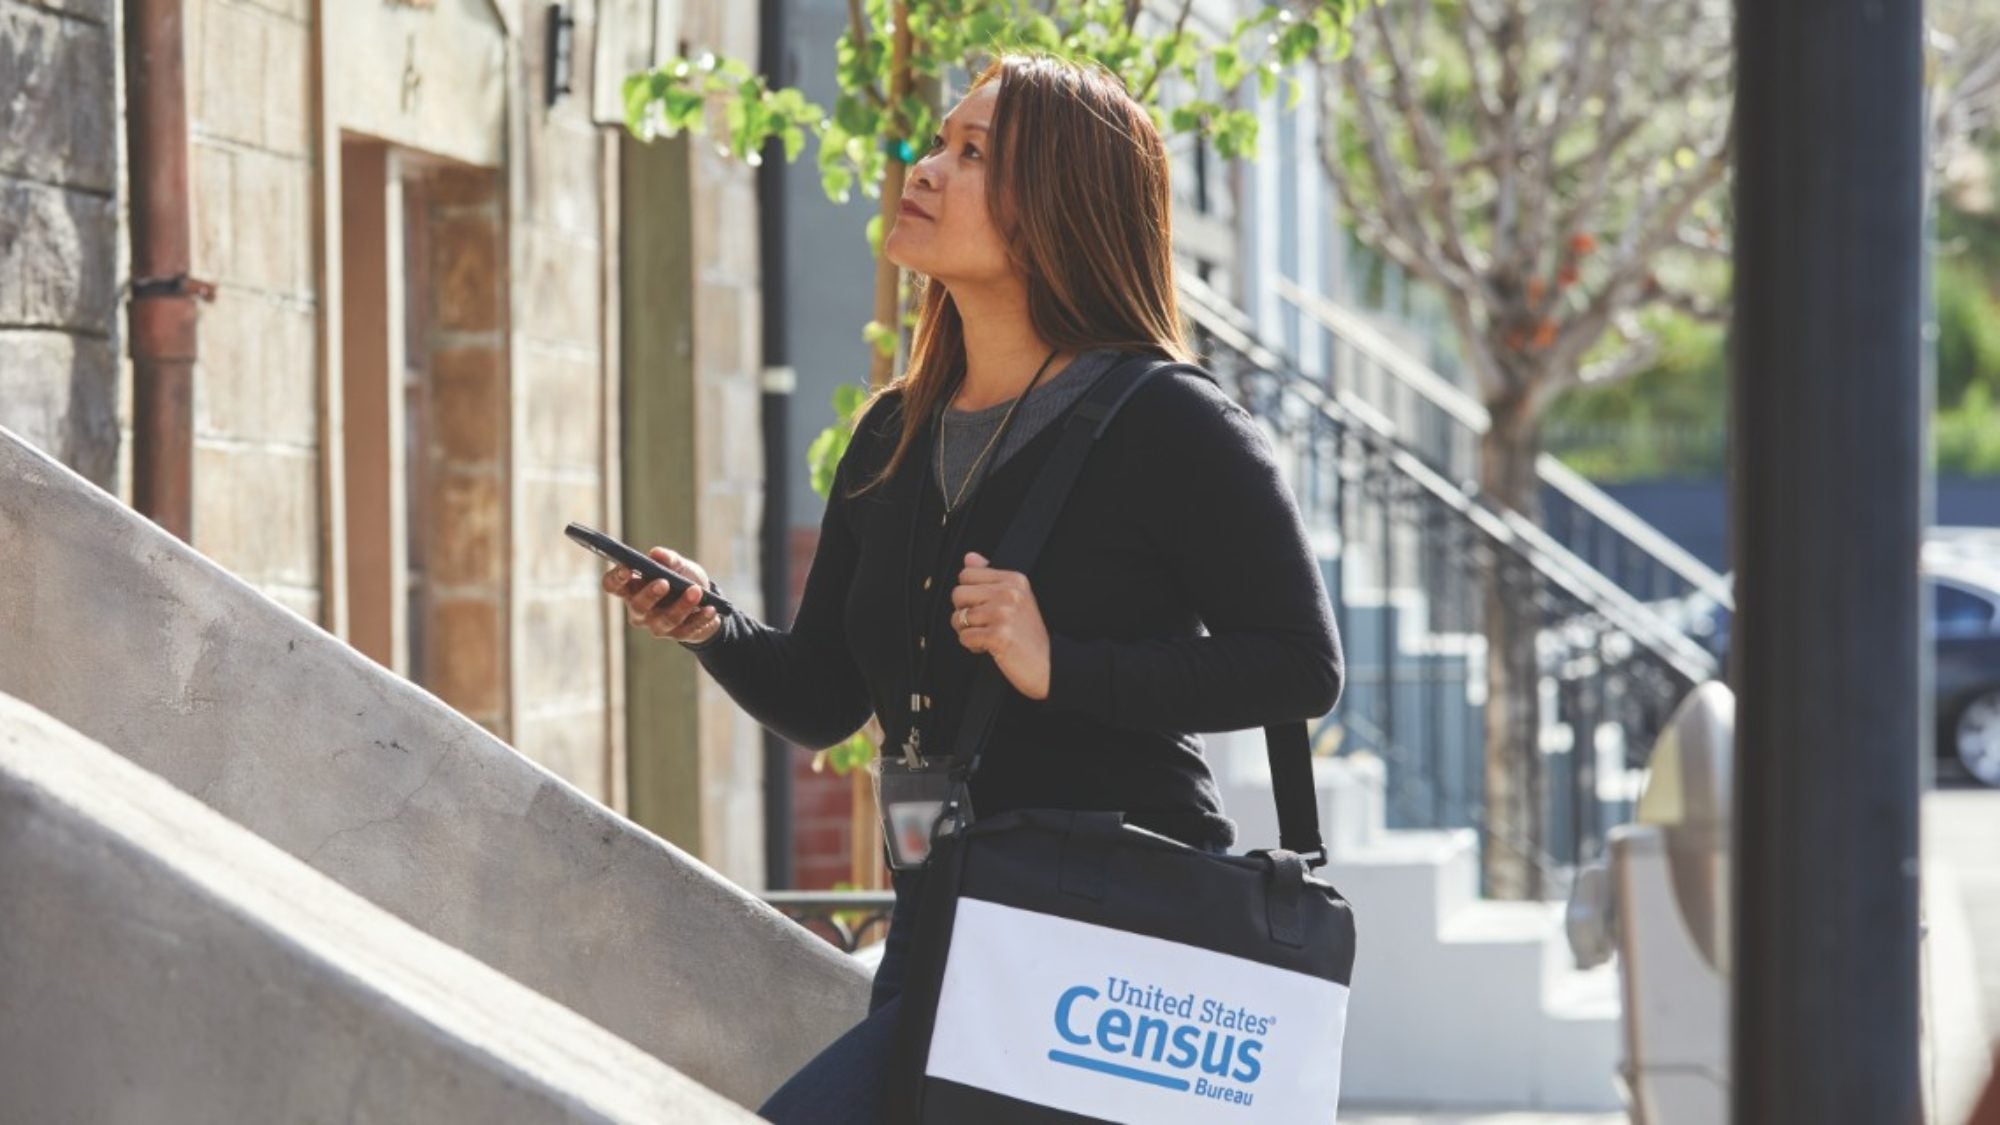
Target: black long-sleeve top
{"x":1178,"y":521}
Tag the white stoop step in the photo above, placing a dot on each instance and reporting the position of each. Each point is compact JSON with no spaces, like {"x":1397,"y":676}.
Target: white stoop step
{"x":1458,"y":1002}
{"x":160,"y":963}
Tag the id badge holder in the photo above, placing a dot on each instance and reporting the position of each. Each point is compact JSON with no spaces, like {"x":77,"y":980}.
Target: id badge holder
{"x":918,"y":804}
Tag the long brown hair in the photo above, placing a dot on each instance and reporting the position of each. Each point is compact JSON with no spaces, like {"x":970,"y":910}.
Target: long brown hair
{"x":1081,"y":191}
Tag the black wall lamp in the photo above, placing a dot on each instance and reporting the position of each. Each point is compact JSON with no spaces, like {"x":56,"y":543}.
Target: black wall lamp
{"x":561,"y":49}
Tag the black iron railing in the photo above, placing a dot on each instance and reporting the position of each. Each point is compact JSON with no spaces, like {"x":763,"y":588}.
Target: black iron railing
{"x":1411,"y":555}
{"x":848,"y":919}
{"x":1443,"y":425}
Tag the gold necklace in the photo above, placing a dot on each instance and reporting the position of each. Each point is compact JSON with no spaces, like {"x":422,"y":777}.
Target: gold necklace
{"x":951,"y":503}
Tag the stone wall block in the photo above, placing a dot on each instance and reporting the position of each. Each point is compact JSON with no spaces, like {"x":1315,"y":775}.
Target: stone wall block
{"x":468,"y":402}
{"x":466,"y":527}
{"x":256,"y":512}
{"x":57,"y":251}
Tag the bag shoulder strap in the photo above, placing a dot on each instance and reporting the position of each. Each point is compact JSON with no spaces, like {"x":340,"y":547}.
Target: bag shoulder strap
{"x":1288,"y":743}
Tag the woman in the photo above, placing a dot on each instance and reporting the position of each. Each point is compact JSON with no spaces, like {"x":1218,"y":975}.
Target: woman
{"x":1040,"y":219}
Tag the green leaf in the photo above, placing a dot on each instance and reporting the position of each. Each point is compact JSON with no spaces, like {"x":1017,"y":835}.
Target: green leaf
{"x":1296,"y":42}
{"x":1235,"y":133}
{"x":823,"y":457}
{"x":1267,"y":79}
{"x":855,"y":115}
{"x":837,"y":182}
{"x":683,"y":109}
{"x":1270,"y":12}
{"x":847,"y":398}
{"x":1228,"y":67}
{"x":795,"y":142}
{"x":875,"y":235}
{"x":1295,"y":90}
{"x":736,"y":113}
{"x":881,"y":336}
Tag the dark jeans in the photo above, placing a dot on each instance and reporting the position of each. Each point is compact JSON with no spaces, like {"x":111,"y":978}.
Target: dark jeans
{"x":844,"y":1084}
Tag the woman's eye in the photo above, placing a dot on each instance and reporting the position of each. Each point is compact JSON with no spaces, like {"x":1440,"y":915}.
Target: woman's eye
{"x":937,"y":142}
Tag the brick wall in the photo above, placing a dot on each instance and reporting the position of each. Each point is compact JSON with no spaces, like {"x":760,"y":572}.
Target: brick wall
{"x":822,"y":802}
{"x":460,"y":505}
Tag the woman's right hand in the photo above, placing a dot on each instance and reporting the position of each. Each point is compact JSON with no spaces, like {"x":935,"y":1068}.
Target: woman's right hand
{"x":648,"y":607}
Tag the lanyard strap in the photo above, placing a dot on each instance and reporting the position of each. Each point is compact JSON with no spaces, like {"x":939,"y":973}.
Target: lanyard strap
{"x":920,"y":658}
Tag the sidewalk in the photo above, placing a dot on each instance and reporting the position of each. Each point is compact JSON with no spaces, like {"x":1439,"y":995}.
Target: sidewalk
{"x":1475,"y":1117}
{"x":1961,"y":949}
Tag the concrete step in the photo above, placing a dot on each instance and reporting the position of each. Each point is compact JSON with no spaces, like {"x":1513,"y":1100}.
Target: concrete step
{"x":1406,"y":881}
{"x":142,"y":644}
{"x":1458,"y":1001}
{"x":161,"y":964}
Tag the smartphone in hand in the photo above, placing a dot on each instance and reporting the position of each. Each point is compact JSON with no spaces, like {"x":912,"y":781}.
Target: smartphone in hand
{"x":651,"y":569}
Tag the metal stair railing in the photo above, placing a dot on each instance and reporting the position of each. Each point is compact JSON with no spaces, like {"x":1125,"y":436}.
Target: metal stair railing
{"x":1505,"y":529}
{"x":1652,"y":565}
{"x":1611,"y":657}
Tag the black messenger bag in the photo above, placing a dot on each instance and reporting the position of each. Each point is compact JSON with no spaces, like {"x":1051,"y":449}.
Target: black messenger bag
{"x":1068,"y":966}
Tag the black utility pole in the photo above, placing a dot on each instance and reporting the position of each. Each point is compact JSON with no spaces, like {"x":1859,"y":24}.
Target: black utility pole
{"x":1827,"y":466}
{"x":776,"y":531}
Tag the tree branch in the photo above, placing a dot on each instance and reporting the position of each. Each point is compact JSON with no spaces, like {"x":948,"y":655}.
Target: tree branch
{"x":857,"y":29}
{"x":1691,"y":305}
{"x":1160,"y":64}
{"x":1644,"y":239}
{"x":1438,"y":191}
{"x":1486,"y":114}
{"x":1402,"y":214}
{"x":1506,"y":202}
{"x":1707,"y":244}
{"x":1599,"y":163}
{"x":1638,"y":355}
{"x":1538,"y":214}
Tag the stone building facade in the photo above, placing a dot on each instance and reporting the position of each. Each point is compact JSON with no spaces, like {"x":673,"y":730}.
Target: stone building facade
{"x":419,"y":359}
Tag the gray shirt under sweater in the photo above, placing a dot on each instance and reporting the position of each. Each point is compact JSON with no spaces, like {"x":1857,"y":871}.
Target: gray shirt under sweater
{"x":966,"y":432}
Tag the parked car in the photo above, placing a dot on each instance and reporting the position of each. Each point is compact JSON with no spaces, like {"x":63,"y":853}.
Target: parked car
{"x":1961,"y":569}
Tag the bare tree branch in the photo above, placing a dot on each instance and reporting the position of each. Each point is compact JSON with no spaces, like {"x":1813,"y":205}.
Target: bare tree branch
{"x":1600,"y":164}
{"x":1966,"y":102}
{"x":1403,"y":216}
{"x":1430,"y":151}
{"x":1386,"y":242}
{"x":1538,"y":214}
{"x":1637,"y":356}
{"x":1566,"y":85}
{"x":1691,"y":305}
{"x":1507,"y":42}
{"x":1702,"y":242}
{"x":1486,"y":111}
{"x":1493,"y":230}
{"x":1644,"y":240}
